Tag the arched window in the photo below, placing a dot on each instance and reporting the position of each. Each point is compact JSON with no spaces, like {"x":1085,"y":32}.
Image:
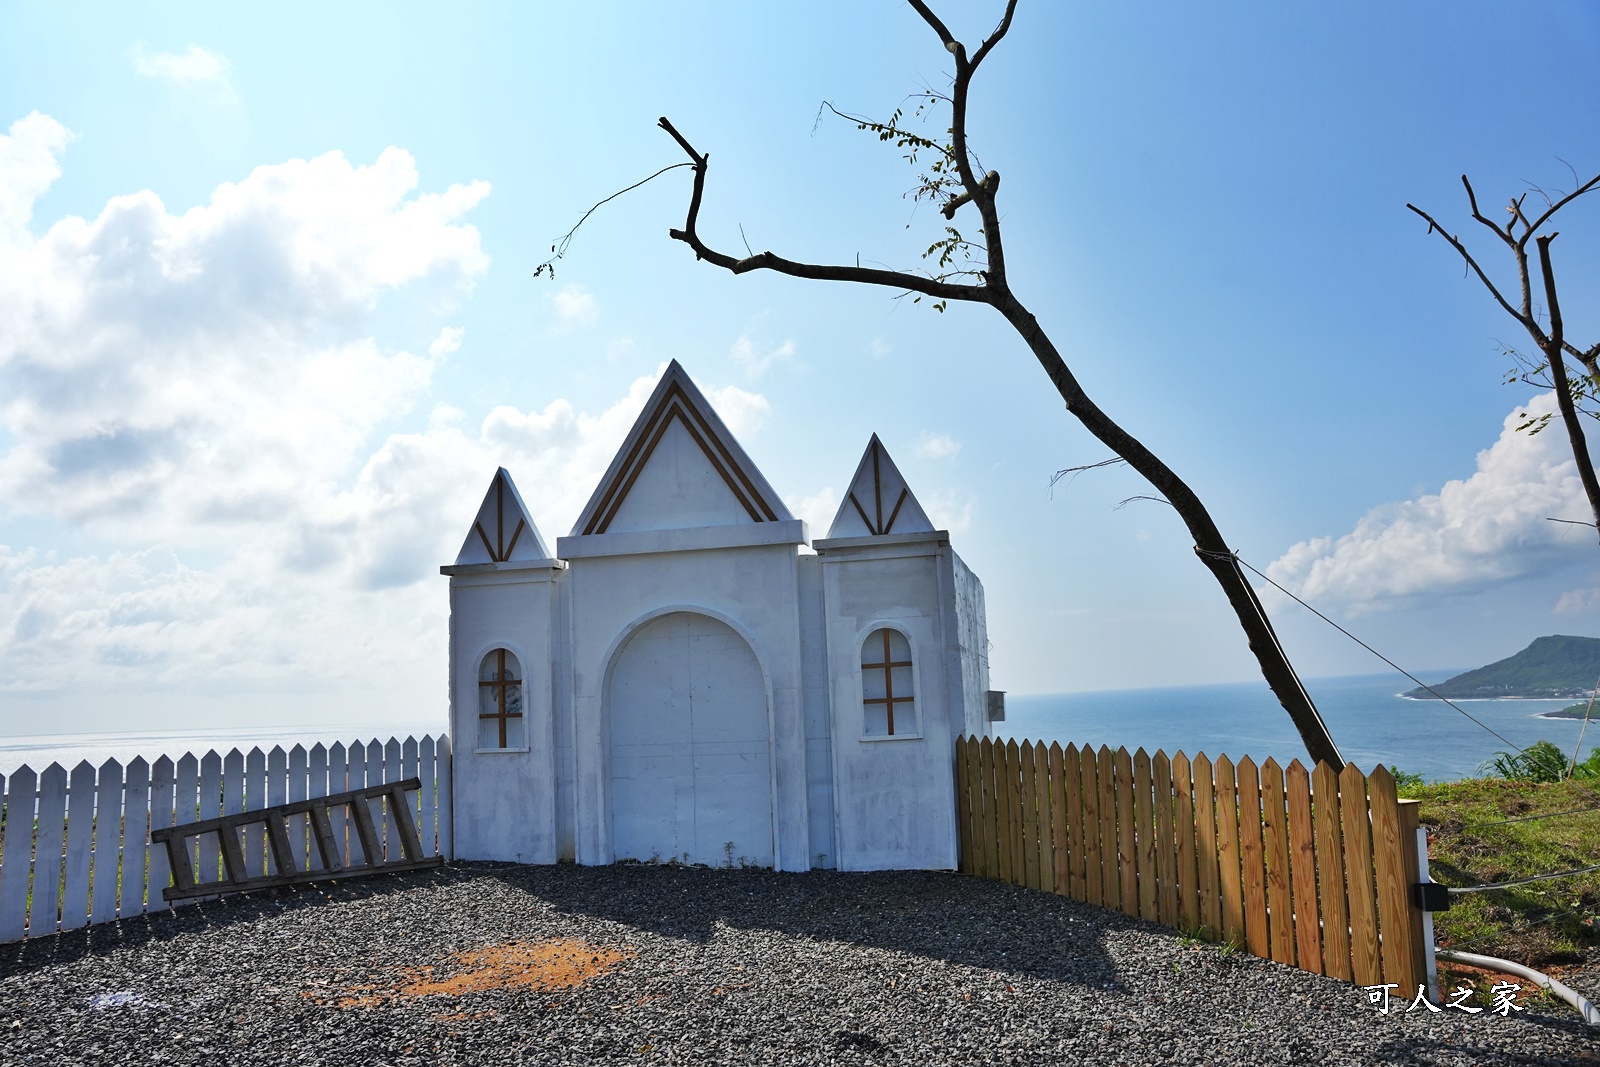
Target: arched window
{"x":500,"y":701}
{"x":887,"y":699}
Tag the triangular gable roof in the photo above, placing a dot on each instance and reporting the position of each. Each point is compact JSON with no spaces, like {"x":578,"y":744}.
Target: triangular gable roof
{"x":678,"y":402}
{"x":879,"y":501}
{"x":503,"y":530}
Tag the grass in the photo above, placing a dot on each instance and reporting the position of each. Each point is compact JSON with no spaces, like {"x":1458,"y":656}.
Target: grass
{"x":1470,"y":843}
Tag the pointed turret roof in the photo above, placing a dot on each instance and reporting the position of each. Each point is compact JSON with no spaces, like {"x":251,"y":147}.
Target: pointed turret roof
{"x":679,"y":467}
{"x":503,"y":530}
{"x":879,"y":501}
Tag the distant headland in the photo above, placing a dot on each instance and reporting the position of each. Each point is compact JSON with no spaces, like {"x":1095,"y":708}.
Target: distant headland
{"x":1552,"y":668}
{"x":1576,"y":711}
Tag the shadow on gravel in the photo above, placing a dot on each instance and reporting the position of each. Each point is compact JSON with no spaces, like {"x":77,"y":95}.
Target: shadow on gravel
{"x":939,"y":915}
{"x":37,"y":953}
{"x":1436,"y":1051}
{"x":935,"y":914}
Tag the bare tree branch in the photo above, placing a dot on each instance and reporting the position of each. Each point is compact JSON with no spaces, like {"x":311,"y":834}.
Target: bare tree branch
{"x":995,"y":291}
{"x":1564,"y":201}
{"x":945,"y":37}
{"x":1455,"y":242}
{"x":1551,"y":341}
{"x":994,"y":38}
{"x":1558,"y":375}
{"x":1472,"y":200}
{"x":689,"y":235}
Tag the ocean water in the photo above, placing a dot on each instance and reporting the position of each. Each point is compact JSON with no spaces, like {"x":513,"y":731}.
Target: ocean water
{"x":40,"y":750}
{"x":1369,"y":720}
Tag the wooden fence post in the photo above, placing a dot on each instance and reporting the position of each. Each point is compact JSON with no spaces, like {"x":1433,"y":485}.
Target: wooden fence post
{"x":1144,"y":845}
{"x":1207,"y":855}
{"x":1029,"y":799}
{"x":44,"y":908}
{"x":1046,"y":831}
{"x":16,"y":863}
{"x":1004,"y":859}
{"x":1089,"y":784}
{"x":1390,"y":848}
{"x":1410,"y":823}
{"x":1230,"y":889}
{"x":80,"y":839}
{"x":1253,"y":860}
{"x":1188,"y":870}
{"x":1303,"y":870}
{"x":1330,"y":873}
{"x":1072,"y":783}
{"x":1110,"y":883}
{"x":1275,"y":845}
{"x":1365,"y":963}
{"x":107,"y":852}
{"x":1166,"y":842}
{"x":1060,"y":819}
{"x":135,"y":838}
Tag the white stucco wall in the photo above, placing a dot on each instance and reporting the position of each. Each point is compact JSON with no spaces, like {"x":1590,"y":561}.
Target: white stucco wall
{"x":619,"y":582}
{"x":893,"y":796}
{"x":504,"y":800}
{"x":814,"y":696}
{"x":971,"y":656}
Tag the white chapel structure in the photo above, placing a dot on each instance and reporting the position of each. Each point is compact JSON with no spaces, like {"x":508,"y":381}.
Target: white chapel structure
{"x":678,"y":681}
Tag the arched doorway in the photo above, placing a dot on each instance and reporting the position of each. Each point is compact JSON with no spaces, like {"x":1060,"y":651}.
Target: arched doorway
{"x":690,"y":750}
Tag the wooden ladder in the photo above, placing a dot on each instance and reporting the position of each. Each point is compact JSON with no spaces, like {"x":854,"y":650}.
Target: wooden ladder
{"x":276,"y":820}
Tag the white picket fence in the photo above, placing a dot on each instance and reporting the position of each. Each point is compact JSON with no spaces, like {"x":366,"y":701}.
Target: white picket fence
{"x":75,"y":849}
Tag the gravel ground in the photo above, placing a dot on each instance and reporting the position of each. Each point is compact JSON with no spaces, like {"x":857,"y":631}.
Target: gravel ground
{"x":696,"y":966}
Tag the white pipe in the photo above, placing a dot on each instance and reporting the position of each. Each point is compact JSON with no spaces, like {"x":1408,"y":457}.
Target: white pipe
{"x":1427,"y":916}
{"x":1590,"y":1013}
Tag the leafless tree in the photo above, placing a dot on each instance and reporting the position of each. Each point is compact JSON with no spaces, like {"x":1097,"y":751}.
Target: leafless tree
{"x":1572,"y":390}
{"x":974,"y":271}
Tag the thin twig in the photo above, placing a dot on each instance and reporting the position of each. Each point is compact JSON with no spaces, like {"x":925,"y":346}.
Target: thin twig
{"x":1075,"y":471}
{"x":560,"y":247}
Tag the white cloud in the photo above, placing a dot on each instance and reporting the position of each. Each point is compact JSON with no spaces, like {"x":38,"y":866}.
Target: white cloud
{"x":1577,"y":601}
{"x":948,"y":510}
{"x":743,"y":412}
{"x":937,"y":446}
{"x":576,"y":306}
{"x":745,"y":354}
{"x":201,"y":392}
{"x":448,"y":341}
{"x":204,"y":382}
{"x":194,"y":67}
{"x":29,"y":165}
{"x":877,"y":348}
{"x":817,"y":510}
{"x":1476,"y":531}
{"x":161,"y":371}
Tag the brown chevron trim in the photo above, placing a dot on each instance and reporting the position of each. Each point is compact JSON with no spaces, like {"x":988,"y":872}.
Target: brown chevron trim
{"x":889,"y":526}
{"x":676,"y":405}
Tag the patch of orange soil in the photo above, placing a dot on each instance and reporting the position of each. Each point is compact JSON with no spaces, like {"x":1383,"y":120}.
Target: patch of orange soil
{"x":560,"y":963}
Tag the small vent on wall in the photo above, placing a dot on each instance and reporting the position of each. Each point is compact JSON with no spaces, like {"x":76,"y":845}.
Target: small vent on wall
{"x":997,"y":705}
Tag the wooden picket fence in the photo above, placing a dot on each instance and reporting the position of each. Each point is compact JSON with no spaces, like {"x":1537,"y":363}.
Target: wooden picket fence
{"x":75,"y":848}
{"x":1311,"y":869}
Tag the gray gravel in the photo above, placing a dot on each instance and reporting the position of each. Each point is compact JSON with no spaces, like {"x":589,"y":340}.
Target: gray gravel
{"x":730,"y":966}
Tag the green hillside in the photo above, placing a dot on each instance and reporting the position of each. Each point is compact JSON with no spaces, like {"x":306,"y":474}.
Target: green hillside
{"x":1556,"y":667}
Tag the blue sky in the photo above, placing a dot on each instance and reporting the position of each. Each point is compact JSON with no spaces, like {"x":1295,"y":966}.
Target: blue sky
{"x":268,"y":322}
